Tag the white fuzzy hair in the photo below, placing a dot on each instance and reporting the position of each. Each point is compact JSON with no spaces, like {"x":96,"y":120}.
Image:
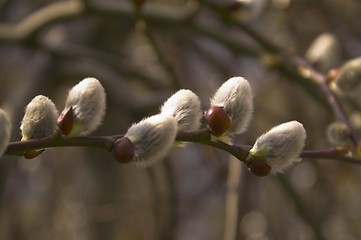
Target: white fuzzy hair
{"x":185,"y":107}
{"x":152,"y":138}
{"x":88,"y":100}
{"x":236,"y":97}
{"x":281,"y":146}
{"x":39,"y":120}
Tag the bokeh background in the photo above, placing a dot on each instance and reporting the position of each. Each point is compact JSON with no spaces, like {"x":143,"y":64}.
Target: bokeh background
{"x":142,"y":57}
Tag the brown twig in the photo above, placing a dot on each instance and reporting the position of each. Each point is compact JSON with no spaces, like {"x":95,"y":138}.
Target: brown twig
{"x":19,"y":147}
{"x":321,"y":79}
{"x":202,"y":136}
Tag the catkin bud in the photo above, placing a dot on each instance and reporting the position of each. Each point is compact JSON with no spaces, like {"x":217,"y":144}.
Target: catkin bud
{"x":337,"y":133}
{"x":5,"y":131}
{"x":324,"y":52}
{"x":151,"y":139}
{"x":39,"y":120}
{"x":185,"y":107}
{"x":280,"y":147}
{"x":355,"y":119}
{"x":88,"y":103}
{"x":235,"y":98}
{"x":348,"y":79}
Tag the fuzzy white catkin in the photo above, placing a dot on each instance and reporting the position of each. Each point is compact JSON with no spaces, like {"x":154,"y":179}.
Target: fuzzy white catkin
{"x":337,"y":133}
{"x":152,"y":138}
{"x":39,"y":120}
{"x":324,"y":52}
{"x":236,"y":97}
{"x":88,"y":100}
{"x":348,"y":80}
{"x":281,"y":146}
{"x":5,"y":131}
{"x":185,"y":107}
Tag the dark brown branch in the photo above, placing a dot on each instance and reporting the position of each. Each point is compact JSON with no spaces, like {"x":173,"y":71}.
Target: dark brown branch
{"x":18,"y":148}
{"x":202,"y":136}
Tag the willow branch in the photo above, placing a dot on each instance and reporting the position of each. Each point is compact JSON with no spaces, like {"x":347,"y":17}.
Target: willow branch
{"x":202,"y":137}
{"x":336,"y":154}
{"x":19,"y":147}
{"x":336,"y":106}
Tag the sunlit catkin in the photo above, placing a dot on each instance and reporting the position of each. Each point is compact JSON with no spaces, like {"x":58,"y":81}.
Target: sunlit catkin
{"x":185,"y":107}
{"x":87,"y":103}
{"x":280,"y":147}
{"x":39,"y":120}
{"x":233,"y":99}
{"x":151,"y":139}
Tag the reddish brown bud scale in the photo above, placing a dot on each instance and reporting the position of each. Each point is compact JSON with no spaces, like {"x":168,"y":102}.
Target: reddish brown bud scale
{"x":65,"y":121}
{"x":217,"y":120}
{"x":123,"y":150}
{"x":332,"y":74}
{"x":259,"y":167}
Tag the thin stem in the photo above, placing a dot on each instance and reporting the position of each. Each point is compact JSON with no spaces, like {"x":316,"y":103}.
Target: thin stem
{"x":26,"y":30}
{"x":232,"y":201}
{"x":161,"y":58}
{"x":202,"y":136}
{"x":30,"y":26}
{"x":235,"y":45}
{"x":224,"y":15}
{"x":337,"y":154}
{"x":19,"y":147}
{"x":337,"y":108}
{"x":301,"y":208}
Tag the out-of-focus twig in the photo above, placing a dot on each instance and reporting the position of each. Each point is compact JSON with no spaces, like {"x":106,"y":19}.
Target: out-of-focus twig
{"x":301,"y":208}
{"x":27,"y":29}
{"x":338,"y":110}
{"x":144,"y":28}
{"x":231,"y":221}
{"x":336,"y":154}
{"x":225,"y":16}
{"x":113,"y":61}
{"x":161,"y":58}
